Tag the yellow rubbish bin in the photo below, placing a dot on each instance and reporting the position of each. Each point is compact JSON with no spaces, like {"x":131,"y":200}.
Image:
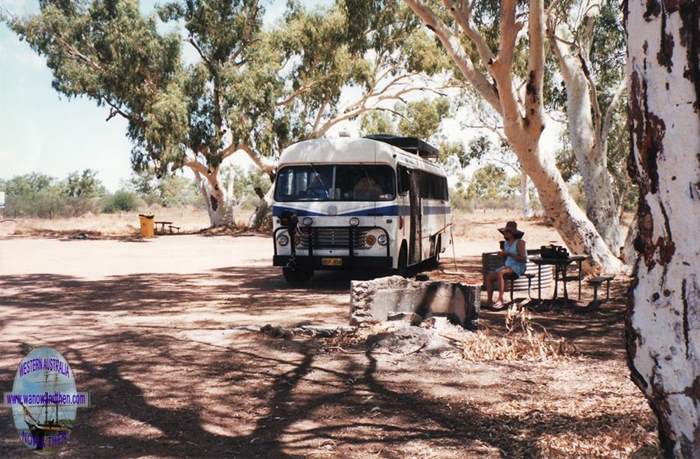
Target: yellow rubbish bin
{"x":146,"y":225}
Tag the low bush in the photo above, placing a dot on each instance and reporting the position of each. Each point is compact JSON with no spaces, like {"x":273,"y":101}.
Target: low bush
{"x":121,"y":201}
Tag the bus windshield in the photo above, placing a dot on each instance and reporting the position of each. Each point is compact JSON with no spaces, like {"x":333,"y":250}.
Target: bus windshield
{"x":342,"y":182}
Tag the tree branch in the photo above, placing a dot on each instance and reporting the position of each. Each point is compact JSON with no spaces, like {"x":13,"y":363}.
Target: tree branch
{"x":197,"y":167}
{"x":454,"y":49}
{"x":607,"y":119}
{"x":461,"y":9}
{"x":502,"y":65}
{"x":535,"y":64}
{"x":265,"y":164}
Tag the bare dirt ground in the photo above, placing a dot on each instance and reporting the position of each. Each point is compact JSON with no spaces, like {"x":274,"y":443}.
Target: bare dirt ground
{"x":164,"y":334}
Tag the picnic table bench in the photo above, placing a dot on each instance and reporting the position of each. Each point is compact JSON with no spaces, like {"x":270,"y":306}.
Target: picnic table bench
{"x":170,"y":226}
{"x":597,"y":282}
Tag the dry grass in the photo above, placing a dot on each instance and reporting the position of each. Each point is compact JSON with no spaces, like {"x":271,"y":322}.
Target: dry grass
{"x":122,"y":224}
{"x":524,"y":340}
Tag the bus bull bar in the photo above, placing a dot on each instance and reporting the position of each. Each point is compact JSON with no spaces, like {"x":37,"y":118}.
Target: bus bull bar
{"x":348,"y":261}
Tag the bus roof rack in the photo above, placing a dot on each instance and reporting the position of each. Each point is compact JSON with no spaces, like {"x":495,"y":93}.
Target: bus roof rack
{"x":410,"y":144}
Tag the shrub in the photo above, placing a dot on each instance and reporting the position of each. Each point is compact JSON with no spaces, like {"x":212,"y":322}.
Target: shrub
{"x":121,"y":201}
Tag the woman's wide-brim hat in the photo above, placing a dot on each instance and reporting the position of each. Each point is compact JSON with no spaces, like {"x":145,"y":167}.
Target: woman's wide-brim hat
{"x":513,"y":227}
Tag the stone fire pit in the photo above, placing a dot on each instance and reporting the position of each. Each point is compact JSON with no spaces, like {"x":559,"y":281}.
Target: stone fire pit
{"x":386,"y":298}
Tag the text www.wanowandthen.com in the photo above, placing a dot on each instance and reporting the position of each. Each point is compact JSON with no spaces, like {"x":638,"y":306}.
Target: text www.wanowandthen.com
{"x":80,"y":399}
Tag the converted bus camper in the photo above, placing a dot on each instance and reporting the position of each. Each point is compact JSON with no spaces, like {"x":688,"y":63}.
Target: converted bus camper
{"x":361,"y":203}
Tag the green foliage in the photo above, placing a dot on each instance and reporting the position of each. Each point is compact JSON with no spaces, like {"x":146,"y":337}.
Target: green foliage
{"x":566,"y":159}
{"x":449,"y":150}
{"x":422,"y":118}
{"x":460,"y":200}
{"x":377,"y":122}
{"x":618,"y":153}
{"x":177,"y":191}
{"x":145,"y":184}
{"x":84,"y":185}
{"x":476,"y":150}
{"x":169,"y":191}
{"x":626,"y":191}
{"x":43,"y":196}
{"x":107,"y":51}
{"x":243,"y":182}
{"x":490,"y":186}
{"x":121,"y":201}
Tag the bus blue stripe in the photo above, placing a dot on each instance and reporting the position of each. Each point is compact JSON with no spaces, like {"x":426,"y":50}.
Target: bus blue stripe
{"x":386,"y":211}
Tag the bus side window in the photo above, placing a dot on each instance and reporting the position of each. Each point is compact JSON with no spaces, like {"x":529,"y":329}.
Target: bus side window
{"x":404,"y":180}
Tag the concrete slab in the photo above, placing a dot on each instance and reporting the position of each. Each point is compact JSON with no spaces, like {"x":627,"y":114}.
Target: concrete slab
{"x":375,"y":300}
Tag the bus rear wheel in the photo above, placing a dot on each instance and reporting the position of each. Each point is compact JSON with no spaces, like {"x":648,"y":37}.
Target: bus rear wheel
{"x":402,"y":265}
{"x":434,"y":261}
{"x":297,"y":275}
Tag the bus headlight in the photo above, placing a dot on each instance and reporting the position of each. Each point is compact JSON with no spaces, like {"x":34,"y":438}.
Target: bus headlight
{"x":307,"y":221}
{"x":370,"y":240}
{"x":382,"y":239}
{"x":354,"y":221}
{"x":282,"y":240}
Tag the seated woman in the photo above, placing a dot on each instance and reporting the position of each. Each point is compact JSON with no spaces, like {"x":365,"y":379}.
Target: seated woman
{"x":516,"y":260}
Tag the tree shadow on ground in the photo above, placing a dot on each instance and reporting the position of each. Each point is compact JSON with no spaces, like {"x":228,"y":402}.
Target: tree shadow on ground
{"x":159,"y":388}
{"x":231,"y":401}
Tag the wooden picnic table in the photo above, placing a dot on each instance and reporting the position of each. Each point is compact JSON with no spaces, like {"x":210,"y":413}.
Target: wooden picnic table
{"x":560,"y":267}
{"x":162,"y":225}
{"x":169,"y":225}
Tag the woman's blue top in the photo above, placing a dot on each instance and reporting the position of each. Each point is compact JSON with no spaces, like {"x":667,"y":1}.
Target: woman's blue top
{"x":511,"y":250}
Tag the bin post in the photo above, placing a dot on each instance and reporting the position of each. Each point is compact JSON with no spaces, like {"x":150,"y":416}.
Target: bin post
{"x":146,"y":222}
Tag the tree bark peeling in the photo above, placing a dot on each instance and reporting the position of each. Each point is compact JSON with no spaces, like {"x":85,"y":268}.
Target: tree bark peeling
{"x":663,"y":317}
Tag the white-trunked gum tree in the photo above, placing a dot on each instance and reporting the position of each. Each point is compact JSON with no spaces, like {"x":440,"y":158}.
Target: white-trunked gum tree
{"x":178,"y":114}
{"x":594,"y":82}
{"x":663,"y":323}
{"x":514,"y":89}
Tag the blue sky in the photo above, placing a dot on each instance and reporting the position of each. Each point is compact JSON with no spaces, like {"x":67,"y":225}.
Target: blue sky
{"x":43,"y":131}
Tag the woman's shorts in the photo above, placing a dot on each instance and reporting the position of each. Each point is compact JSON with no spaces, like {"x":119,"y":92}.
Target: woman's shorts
{"x":517,"y":274}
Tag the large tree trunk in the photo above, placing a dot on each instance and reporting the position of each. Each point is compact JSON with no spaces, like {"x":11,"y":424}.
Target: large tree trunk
{"x":263,"y":212}
{"x":218,"y":201}
{"x":588,"y":128}
{"x":522,"y":112}
{"x":601,"y":207}
{"x":663,"y":323}
{"x":571,"y":222}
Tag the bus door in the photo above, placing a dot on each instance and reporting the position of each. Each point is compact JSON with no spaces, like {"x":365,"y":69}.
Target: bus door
{"x":414,"y":244}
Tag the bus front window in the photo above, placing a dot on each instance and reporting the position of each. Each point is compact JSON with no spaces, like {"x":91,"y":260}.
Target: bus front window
{"x":343,"y":182}
{"x":364,"y":183}
{"x":304,"y":183}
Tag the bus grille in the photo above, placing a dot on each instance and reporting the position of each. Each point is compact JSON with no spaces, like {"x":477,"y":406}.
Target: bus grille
{"x":333,"y":238}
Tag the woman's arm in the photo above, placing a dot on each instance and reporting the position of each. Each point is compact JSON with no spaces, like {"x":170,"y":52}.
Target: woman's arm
{"x":522,"y":253}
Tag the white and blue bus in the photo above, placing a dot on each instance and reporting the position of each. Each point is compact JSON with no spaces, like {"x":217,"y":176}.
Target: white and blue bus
{"x":362,"y":203}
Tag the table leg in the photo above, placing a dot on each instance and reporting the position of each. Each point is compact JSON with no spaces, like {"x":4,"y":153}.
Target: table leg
{"x":539,"y":282}
{"x":566,"y":293}
{"x":556,"y":282}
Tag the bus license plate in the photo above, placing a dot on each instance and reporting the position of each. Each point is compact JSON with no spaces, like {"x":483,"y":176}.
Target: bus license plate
{"x":332,"y":261}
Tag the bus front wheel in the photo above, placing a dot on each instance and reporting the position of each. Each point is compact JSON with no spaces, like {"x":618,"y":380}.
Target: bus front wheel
{"x":297,"y":275}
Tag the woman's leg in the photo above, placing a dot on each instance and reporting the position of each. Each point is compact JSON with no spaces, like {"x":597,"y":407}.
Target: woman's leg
{"x":488,"y":280}
{"x":502,"y":282}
